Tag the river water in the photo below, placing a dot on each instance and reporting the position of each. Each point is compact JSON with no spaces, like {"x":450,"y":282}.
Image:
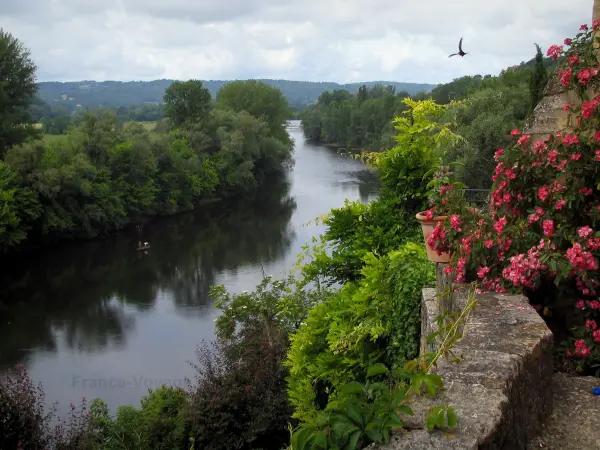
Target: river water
{"x":99,"y":319}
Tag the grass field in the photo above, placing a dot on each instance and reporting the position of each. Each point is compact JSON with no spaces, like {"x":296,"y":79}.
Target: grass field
{"x":53,"y":137}
{"x":148,"y":126}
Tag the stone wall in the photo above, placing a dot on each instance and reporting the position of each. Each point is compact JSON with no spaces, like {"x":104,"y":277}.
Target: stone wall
{"x":549,"y":115}
{"x":501,"y":389}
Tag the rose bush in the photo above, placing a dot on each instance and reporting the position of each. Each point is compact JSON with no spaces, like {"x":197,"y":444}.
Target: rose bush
{"x":541,"y":235}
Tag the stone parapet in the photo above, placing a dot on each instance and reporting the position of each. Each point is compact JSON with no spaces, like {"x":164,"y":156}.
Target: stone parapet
{"x":501,"y":390}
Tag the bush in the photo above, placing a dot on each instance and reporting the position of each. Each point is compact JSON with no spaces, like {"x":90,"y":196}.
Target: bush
{"x":541,"y":236}
{"x":355,"y":230}
{"x":158,"y":424}
{"x":24,"y":423}
{"x":376,"y":319}
{"x":239,"y":400}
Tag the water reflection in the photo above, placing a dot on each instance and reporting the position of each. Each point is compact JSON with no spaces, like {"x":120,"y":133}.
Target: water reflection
{"x":80,"y":292}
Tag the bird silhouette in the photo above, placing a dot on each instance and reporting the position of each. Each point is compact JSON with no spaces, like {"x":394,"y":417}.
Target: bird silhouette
{"x":460,"y":50}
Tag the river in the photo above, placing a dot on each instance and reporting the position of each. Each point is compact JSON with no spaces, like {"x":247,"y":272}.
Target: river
{"x":99,"y":319}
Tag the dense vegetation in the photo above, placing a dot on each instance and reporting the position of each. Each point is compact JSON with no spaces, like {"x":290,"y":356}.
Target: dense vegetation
{"x":104,"y":174}
{"x":294,"y":350}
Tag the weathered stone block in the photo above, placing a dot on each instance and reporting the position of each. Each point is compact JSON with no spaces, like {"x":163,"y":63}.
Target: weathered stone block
{"x":501,"y":389}
{"x":429,"y":311}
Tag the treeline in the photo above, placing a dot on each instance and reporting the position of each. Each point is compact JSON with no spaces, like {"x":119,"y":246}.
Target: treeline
{"x":105,"y":174}
{"x":360,"y":120}
{"x":484,"y":109}
{"x":114,"y":94}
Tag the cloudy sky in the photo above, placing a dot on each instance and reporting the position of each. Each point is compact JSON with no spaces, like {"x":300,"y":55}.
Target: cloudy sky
{"x":318,"y":40}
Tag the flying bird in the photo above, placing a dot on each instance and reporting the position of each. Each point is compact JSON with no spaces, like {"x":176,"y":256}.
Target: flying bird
{"x":460,"y":50}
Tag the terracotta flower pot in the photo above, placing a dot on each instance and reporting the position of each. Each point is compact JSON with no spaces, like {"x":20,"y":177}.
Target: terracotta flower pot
{"x":427,"y":226}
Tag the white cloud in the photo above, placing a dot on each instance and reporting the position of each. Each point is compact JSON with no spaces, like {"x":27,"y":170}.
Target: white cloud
{"x":324,"y":40}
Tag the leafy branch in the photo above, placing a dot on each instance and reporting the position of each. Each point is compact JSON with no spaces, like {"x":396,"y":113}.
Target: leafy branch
{"x":360,"y":414}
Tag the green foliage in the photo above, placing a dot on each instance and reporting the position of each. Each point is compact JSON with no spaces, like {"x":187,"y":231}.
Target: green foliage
{"x":186,"y":102}
{"x":247,"y":152}
{"x":56,"y":125}
{"x":16,"y":206}
{"x":360,"y":415}
{"x":259,"y":100}
{"x":280,"y":302}
{"x":354,"y":121}
{"x":386,"y":223}
{"x":537,"y":80}
{"x":239,"y":399}
{"x":353,"y":231}
{"x":17,"y":89}
{"x":158,"y":424}
{"x":440,"y":416}
{"x":422,"y":143}
{"x":484,"y":120}
{"x":373,"y":320}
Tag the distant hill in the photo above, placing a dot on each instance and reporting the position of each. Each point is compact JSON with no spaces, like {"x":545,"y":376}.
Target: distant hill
{"x":127,"y":93}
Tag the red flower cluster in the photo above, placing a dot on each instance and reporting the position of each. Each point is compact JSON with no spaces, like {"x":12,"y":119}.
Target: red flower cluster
{"x":438,"y":239}
{"x":581,"y":259}
{"x":524,"y":270}
{"x":544,"y":211}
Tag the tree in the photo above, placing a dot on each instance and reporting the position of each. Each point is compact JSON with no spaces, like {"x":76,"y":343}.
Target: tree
{"x":537,"y":80}
{"x":186,"y":102}
{"x":17,"y":91}
{"x":260,"y":100}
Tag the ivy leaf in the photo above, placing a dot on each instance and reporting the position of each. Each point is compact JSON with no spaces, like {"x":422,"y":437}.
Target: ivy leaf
{"x":301,"y":439}
{"x":344,"y":428}
{"x":405,"y":409}
{"x":378,"y":387}
{"x":320,"y":440}
{"x":374,"y":432}
{"x":431,"y":421}
{"x":353,"y":442}
{"x":353,"y":412}
{"x":352,"y":388}
{"x":377,"y":369}
{"x":452,"y":419}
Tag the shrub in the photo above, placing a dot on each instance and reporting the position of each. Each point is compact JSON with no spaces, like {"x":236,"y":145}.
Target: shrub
{"x":24,"y":423}
{"x":355,"y":230}
{"x":239,"y":400}
{"x":158,"y":424}
{"x":541,"y":235}
{"x":373,"y":320}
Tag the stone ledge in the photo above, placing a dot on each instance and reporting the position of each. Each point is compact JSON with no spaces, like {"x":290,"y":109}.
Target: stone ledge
{"x":501,"y":389}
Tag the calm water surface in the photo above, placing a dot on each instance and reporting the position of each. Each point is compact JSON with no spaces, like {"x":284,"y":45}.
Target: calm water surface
{"x":99,"y":319}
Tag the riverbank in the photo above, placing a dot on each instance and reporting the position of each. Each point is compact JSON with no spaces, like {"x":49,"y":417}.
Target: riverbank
{"x":32,"y":249}
{"x":339,"y":148}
